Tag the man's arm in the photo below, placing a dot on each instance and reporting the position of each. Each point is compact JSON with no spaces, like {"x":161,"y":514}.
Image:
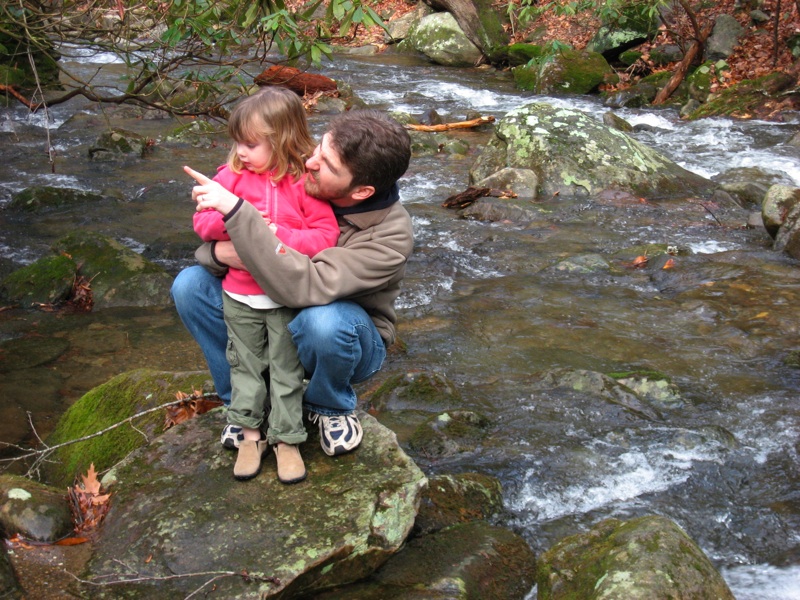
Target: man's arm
{"x":217,"y":257}
{"x":368,"y":260}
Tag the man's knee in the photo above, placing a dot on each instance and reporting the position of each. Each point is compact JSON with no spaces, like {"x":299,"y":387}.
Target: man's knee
{"x":185,"y":284}
{"x":317,"y":326}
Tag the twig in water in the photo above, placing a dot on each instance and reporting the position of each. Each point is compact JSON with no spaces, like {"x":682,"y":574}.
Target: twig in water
{"x":708,"y":210}
{"x":215,"y":575}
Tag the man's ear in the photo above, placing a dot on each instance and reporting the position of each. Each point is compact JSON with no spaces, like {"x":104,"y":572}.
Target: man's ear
{"x":362,"y":192}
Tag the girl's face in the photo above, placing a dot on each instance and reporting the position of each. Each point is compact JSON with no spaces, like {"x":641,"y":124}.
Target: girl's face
{"x":255,"y":156}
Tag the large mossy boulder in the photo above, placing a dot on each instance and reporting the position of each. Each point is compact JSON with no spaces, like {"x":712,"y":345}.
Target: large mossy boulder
{"x":441,"y":39}
{"x":118,"y":275}
{"x":574,"y":155}
{"x":48,"y":281}
{"x":649,"y":558}
{"x":751,"y":97}
{"x":565,"y":71}
{"x":178,"y":515}
{"x":481,"y":22}
{"x":107,"y":405}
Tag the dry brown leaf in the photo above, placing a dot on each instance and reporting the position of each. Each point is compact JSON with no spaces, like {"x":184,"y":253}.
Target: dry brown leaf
{"x":90,"y":482}
{"x":72,"y":541}
{"x":189,"y":407}
{"x":89,"y":504}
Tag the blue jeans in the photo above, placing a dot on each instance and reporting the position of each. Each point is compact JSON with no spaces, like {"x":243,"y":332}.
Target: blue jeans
{"x":338,"y":344}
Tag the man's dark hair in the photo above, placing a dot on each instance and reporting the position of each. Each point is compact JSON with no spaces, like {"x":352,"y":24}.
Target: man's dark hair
{"x":375,"y":148}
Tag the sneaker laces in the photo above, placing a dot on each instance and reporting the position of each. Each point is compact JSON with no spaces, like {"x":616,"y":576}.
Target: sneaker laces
{"x":331,"y":423}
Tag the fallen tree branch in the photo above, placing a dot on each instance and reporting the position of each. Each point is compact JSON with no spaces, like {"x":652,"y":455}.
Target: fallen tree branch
{"x":679,"y":75}
{"x":471,"y":194}
{"x":10,"y":89}
{"x":448,"y":126}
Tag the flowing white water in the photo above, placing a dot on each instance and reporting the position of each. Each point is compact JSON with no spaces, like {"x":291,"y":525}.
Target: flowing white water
{"x":606,"y":474}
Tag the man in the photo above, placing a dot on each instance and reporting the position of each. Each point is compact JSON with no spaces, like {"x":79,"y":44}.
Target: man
{"x":348,"y":290}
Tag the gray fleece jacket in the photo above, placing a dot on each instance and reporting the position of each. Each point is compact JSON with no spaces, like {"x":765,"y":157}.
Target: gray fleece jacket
{"x":366,"y":266}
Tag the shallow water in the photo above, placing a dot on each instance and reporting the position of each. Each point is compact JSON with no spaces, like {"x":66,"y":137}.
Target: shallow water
{"x":489,"y":306}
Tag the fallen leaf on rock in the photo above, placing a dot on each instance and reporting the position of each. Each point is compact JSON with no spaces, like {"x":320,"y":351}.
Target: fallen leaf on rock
{"x":189,"y":407}
{"x":88,"y":502}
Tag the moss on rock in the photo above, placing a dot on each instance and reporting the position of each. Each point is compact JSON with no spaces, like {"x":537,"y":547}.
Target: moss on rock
{"x":49,"y":280}
{"x":574,"y":155}
{"x":119,"y":276}
{"x":746,"y":98}
{"x":565,"y":71}
{"x":109,"y":404}
{"x":645,"y":558}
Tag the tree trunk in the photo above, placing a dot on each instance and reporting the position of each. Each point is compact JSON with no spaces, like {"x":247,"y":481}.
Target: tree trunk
{"x":680,"y":73}
{"x":775,"y":34}
{"x":480,"y":22}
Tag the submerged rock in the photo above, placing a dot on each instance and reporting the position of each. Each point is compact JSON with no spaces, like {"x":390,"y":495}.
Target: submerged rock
{"x":43,"y":198}
{"x":471,"y":560}
{"x":452,"y":499}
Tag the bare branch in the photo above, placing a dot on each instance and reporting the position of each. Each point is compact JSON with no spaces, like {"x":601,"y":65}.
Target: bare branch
{"x":42,"y":454}
{"x":214,"y":576}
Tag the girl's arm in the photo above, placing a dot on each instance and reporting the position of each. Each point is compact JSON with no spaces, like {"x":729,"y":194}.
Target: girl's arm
{"x":213,"y":202}
{"x":320,"y":229}
{"x":209,"y":225}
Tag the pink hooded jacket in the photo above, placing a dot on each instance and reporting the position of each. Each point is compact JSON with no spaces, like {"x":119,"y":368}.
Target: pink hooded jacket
{"x":304,"y":223}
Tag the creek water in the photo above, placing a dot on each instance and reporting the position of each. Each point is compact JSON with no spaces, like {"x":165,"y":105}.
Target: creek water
{"x":492,"y":307}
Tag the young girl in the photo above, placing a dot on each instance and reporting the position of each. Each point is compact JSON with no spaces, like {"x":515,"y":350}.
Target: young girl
{"x":266,"y":168}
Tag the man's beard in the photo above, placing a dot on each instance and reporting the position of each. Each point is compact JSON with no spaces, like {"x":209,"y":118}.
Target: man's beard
{"x":313,"y":188}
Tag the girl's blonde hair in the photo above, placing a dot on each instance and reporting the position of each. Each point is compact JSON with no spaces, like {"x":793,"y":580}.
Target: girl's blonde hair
{"x":275,"y":115}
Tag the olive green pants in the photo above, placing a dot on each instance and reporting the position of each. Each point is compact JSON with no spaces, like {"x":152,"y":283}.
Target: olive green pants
{"x":259,"y":346}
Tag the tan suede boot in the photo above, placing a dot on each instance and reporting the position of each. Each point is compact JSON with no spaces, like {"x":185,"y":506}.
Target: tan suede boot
{"x":248,"y":461}
{"x":290,"y":464}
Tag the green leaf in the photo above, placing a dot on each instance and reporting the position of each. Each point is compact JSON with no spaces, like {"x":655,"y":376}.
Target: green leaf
{"x":250,"y":15}
{"x":308,"y":13}
{"x":376,"y":18}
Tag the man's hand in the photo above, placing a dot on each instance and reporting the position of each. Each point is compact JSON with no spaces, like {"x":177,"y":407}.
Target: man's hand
{"x":225,"y":253}
{"x":210,"y":194}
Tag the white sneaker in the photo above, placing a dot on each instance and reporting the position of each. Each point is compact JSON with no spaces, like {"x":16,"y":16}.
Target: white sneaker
{"x":231,"y":436}
{"x":338,"y":433}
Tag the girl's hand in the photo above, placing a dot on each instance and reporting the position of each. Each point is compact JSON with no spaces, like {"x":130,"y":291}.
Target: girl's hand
{"x":210,"y":194}
{"x":272,"y":226}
